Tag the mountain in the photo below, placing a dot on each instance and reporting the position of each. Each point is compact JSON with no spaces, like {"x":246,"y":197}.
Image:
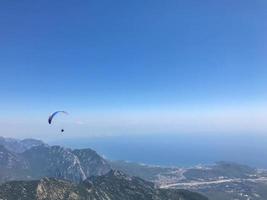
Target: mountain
{"x":115,"y":185}
{"x":91,"y":163}
{"x":54,"y":161}
{"x":12,"y":166}
{"x":221,"y":181}
{"x":51,"y":161}
{"x":9,"y":159}
{"x":147,"y":172}
{"x":118,"y":185}
{"x":174,"y":174}
{"x":19,"y":146}
{"x":220,"y":169}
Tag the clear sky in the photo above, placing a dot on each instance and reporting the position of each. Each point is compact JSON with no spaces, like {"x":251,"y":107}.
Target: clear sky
{"x":141,"y":66}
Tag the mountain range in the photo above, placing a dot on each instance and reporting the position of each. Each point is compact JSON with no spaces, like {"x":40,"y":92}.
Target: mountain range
{"x":19,"y":146}
{"x":37,"y":161}
{"x":113,"y":186}
{"x":32,"y":170}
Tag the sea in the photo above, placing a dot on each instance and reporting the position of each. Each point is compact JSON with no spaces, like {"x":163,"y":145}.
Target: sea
{"x":175,"y":149}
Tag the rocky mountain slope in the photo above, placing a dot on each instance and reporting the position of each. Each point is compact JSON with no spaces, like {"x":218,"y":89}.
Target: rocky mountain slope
{"x":54,"y":161}
{"x":12,"y":166}
{"x":91,"y":163}
{"x":19,"y":146}
{"x":51,"y":161}
{"x":113,"y":186}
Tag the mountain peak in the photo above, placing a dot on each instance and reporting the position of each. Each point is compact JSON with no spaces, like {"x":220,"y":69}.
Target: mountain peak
{"x":19,"y":146}
{"x":116,"y":173}
{"x":44,"y":160}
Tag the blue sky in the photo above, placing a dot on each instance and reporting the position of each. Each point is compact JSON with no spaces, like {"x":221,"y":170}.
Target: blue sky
{"x":121,"y":63}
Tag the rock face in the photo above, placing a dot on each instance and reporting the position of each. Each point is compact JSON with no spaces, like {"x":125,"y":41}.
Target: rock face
{"x":54,"y":161}
{"x":75,"y":175}
{"x":113,"y":186}
{"x":9,"y":160}
{"x":118,"y":185}
{"x":19,"y":146}
{"x":91,"y":162}
{"x":12,"y":166}
{"x":49,"y":161}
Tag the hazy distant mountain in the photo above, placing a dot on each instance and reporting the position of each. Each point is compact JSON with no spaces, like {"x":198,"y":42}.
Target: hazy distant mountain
{"x":9,"y":159}
{"x":12,"y":166}
{"x":112,"y":186}
{"x":54,"y":161}
{"x":220,"y":169}
{"x":19,"y":146}
{"x":154,"y":173}
{"x":51,"y":161}
{"x":147,"y":172}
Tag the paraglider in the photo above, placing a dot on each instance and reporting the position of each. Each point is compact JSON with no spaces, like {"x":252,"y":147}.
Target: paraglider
{"x":51,"y":117}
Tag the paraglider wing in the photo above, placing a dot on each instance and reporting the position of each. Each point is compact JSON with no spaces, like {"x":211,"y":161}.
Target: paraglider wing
{"x":54,"y":114}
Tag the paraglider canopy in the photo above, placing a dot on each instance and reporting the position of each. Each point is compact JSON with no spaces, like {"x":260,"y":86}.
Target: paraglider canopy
{"x":54,"y":114}
{"x":51,"y":117}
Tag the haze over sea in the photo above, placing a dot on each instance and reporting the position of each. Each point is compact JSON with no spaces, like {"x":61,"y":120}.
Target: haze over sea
{"x":178,"y":149}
